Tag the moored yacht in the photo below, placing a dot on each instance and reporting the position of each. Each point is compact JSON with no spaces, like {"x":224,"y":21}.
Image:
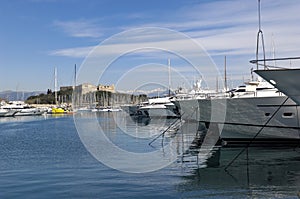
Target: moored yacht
{"x":21,"y":108}
{"x":7,"y":113}
{"x":157,"y":107}
{"x":106,"y":109}
{"x":255,"y":110}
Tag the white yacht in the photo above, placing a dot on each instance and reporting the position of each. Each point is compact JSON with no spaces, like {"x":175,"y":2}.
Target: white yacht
{"x":21,"y":108}
{"x":106,"y":109}
{"x":255,"y":110}
{"x":157,"y":107}
{"x":7,"y":113}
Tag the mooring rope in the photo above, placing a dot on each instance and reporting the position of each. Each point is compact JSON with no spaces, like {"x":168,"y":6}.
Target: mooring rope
{"x":173,"y":123}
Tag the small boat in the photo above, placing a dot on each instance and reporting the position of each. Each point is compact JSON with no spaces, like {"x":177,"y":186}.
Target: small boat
{"x":58,"y":110}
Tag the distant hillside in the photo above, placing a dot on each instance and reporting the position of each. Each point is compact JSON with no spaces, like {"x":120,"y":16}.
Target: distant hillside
{"x":20,"y":95}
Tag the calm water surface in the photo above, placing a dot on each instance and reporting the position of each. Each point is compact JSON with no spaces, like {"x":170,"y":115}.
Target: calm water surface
{"x":43,"y":157}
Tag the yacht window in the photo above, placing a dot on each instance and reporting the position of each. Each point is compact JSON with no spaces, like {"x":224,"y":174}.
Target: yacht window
{"x":267,"y":114}
{"x":287,"y":115}
{"x":259,"y":89}
{"x":240,"y":90}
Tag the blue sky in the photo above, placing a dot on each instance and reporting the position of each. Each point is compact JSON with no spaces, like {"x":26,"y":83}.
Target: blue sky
{"x":38,"y":35}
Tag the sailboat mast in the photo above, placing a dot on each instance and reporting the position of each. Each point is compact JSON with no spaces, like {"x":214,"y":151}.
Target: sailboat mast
{"x":273,"y":49}
{"x":169,"y":69}
{"x":75,"y":76}
{"x":55,"y":85}
{"x":74,"y":86}
{"x":225,"y":75}
{"x":217,"y":84}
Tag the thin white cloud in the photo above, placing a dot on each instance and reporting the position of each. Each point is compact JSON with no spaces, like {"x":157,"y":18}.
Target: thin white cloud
{"x":78,"y":52}
{"x":80,"y":28}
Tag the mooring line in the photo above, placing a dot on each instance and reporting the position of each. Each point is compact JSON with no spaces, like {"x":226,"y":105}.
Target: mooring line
{"x":165,"y":130}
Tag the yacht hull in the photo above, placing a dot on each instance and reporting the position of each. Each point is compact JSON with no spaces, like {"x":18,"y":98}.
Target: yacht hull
{"x":8,"y":113}
{"x":286,"y":80}
{"x":246,"y":118}
{"x":158,"y":111}
{"x":29,"y":112}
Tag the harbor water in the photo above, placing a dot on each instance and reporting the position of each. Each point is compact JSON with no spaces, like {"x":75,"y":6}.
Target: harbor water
{"x":44,"y":157}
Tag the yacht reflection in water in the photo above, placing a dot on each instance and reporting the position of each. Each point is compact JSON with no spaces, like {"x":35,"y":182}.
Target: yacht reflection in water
{"x":255,"y":171}
{"x":267,"y":173}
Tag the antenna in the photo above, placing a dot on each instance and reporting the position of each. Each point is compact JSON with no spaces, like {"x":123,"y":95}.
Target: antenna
{"x":260,"y":34}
